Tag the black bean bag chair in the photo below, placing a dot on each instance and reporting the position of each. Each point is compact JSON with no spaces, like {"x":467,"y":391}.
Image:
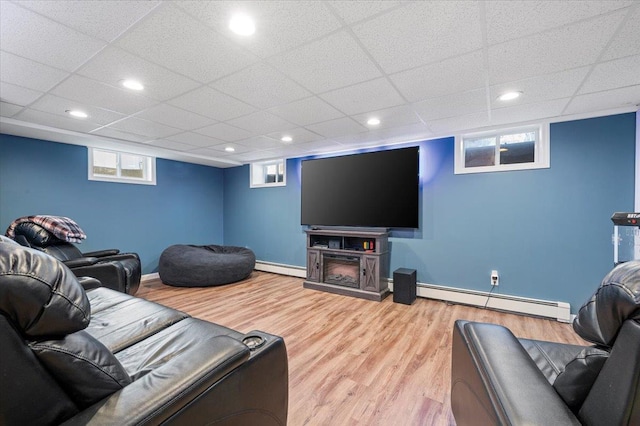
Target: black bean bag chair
{"x":202,"y":266}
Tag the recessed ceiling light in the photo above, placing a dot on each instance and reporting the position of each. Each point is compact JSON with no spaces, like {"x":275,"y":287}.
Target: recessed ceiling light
{"x":230,"y":149}
{"x":242,"y":25}
{"x":77,"y":113}
{"x":132,"y":84}
{"x":286,"y":139}
{"x":509,"y":96}
{"x":373,"y":121}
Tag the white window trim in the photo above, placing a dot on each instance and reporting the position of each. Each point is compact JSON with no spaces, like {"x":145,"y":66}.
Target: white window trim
{"x":256,"y":178}
{"x":149,"y":179}
{"x":542,"y":148}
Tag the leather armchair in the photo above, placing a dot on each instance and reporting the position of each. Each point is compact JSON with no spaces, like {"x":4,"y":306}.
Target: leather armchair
{"x":498,"y":379}
{"x":101,"y":357}
{"x":119,"y":271}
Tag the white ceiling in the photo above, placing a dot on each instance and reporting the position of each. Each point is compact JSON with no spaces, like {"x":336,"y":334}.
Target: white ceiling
{"x":313,"y":70}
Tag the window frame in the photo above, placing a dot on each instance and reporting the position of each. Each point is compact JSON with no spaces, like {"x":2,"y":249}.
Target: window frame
{"x":541,"y":149}
{"x":256,"y":173}
{"x":149,"y":170}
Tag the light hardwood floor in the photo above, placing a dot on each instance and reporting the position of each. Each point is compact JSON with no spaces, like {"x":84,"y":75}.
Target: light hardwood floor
{"x":351,"y":361}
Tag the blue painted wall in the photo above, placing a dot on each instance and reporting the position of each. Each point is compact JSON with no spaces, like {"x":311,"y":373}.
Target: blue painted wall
{"x":38,"y":177}
{"x":546,"y":231}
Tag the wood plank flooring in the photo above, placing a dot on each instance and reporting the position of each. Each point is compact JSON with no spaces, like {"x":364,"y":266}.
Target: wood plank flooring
{"x":351,"y":361}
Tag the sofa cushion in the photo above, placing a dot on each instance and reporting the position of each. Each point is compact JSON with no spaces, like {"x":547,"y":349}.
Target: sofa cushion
{"x":83,"y":367}
{"x":120,"y":320}
{"x":615,"y":301}
{"x":40,"y":295}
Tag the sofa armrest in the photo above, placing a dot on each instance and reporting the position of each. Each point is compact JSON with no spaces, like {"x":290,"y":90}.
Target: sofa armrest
{"x":101,"y":253}
{"x":164,"y":391}
{"x":81,"y":261}
{"x":495,"y":381}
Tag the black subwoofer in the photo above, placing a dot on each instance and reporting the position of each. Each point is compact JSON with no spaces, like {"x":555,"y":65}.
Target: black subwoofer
{"x":404,"y":286}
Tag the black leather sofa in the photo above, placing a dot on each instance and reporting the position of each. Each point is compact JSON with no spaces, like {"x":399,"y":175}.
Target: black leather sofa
{"x":115,"y":270}
{"x":497,"y":379}
{"x":102,"y":357}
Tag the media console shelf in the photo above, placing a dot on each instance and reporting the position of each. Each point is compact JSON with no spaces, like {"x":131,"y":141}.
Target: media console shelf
{"x":348,"y":262}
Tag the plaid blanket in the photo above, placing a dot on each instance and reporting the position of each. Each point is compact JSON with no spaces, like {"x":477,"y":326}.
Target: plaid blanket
{"x":62,"y":227}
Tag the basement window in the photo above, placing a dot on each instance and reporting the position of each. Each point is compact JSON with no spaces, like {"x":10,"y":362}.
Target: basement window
{"x":122,"y":167}
{"x":268,"y":173}
{"x":520,"y":148}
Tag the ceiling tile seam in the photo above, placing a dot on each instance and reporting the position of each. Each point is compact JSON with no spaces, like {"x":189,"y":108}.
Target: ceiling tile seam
{"x":566,"y":24}
{"x":400,"y":5}
{"x":485,"y":57}
{"x":604,"y":50}
{"x":349,"y":30}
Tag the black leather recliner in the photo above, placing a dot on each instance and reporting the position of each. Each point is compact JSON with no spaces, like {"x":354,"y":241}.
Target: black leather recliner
{"x":497,"y":379}
{"x":115,"y":270}
{"x":102,"y":357}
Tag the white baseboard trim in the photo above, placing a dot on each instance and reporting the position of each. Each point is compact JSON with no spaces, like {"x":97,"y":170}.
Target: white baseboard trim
{"x":279,"y":268}
{"x":149,"y":277}
{"x":560,"y":311}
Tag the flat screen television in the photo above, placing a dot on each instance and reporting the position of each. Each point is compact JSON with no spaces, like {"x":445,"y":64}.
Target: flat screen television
{"x":374,"y":189}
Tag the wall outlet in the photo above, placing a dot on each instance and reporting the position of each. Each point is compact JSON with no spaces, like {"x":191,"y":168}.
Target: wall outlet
{"x":495,"y":279}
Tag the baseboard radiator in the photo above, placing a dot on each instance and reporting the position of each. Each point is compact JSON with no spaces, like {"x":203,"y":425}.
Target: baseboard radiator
{"x":560,"y":311}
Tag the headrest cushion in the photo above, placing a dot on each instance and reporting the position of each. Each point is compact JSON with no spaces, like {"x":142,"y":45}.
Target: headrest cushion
{"x":36,"y":235}
{"x":615,"y":301}
{"x":39,"y":294}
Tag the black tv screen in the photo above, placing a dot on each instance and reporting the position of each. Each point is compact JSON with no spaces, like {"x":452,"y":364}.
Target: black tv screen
{"x":375,"y":189}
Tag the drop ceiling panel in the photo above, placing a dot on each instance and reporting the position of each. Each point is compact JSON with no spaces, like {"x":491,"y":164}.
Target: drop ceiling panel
{"x":119,"y":135}
{"x":58,"y":106}
{"x":105,"y":20}
{"x":195,"y":139}
{"x":225,"y":132}
{"x":515,"y":19}
{"x":182,"y":44}
{"x":371,"y":95}
{"x":556,"y":50}
{"x":602,"y":101}
{"x":32,"y":36}
{"x":354,"y":11}
{"x":541,"y":88}
{"x":298,"y":135}
{"x":222,"y":148}
{"x":57,"y":121}
{"x":261,"y":122}
{"x":391,"y":117}
{"x":142,"y":127}
{"x":175,"y":117}
{"x":211,"y":103}
{"x":262,"y":86}
{"x":338,"y":127}
{"x":449,"y":106}
{"x":114,"y":65}
{"x":168,"y":144}
{"x":260,"y":143}
{"x":9,"y":110}
{"x":280,"y":25}
{"x":91,"y":92}
{"x":453,"y":75}
{"x":430,"y":32}
{"x":627,"y":41}
{"x":450,"y":126}
{"x":27,"y":73}
{"x":612,"y":75}
{"x":528,"y":112}
{"x":18,"y":95}
{"x":322,"y":65}
{"x":306,"y":111}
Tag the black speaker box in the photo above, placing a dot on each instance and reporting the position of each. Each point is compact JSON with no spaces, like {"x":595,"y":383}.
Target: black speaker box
{"x":404,"y":286}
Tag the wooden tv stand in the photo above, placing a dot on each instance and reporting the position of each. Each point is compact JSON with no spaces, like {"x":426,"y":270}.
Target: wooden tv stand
{"x":348,"y":262}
